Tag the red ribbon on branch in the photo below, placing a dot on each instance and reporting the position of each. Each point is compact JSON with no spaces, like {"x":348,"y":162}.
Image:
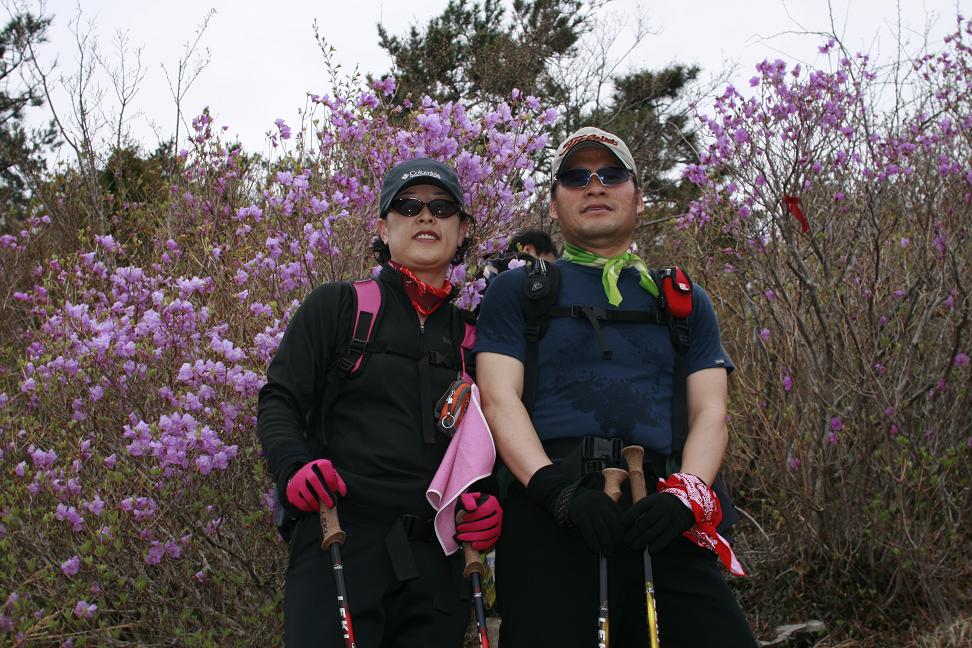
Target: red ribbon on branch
{"x":793,"y":204}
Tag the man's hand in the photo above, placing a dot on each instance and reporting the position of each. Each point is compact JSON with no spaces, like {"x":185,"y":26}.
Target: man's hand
{"x":655,"y":521}
{"x":598,"y":519}
{"x":315,"y":483}
{"x":596,"y":516}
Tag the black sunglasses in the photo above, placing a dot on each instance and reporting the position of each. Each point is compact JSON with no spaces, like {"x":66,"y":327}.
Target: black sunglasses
{"x":414,"y":206}
{"x":579,"y":178}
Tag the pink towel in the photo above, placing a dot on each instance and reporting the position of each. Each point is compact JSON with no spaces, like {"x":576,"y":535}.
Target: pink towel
{"x":469,"y":458}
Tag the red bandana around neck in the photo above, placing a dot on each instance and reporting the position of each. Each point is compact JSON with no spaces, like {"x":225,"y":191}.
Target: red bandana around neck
{"x":425,"y":298}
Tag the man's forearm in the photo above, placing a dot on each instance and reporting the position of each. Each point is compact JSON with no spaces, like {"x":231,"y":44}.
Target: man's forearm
{"x":707,"y":436}
{"x":705,"y":447}
{"x":500,"y":380}
{"x":516,"y":439}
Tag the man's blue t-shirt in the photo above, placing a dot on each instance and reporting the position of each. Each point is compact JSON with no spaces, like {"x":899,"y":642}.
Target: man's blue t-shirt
{"x":579,"y":393}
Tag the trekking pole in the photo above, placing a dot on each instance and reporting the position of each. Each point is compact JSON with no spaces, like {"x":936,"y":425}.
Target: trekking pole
{"x":474,"y":574}
{"x":613,"y":477}
{"x":332,"y":537}
{"x":634,"y":456}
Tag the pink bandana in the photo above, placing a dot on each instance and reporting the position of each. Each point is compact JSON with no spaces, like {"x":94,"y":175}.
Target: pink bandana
{"x":705,"y":506}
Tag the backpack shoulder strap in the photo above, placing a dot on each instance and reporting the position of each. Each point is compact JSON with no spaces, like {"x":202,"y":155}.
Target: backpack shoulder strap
{"x":334,"y":374}
{"x":540,"y":290}
{"x":368,"y":311}
{"x":466,"y":356}
{"x":676,"y":305}
{"x":367,"y":307}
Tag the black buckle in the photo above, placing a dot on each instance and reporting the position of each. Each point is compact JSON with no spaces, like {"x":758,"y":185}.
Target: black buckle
{"x":436,"y":358}
{"x":415,"y":527}
{"x":357,"y":346}
{"x":408,"y":523}
{"x":598,"y":453}
{"x":532,"y":331}
{"x":680,"y":334}
{"x":578,"y":311}
{"x":356,"y":351}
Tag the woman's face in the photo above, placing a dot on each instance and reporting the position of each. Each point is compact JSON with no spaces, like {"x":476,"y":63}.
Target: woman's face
{"x":423,"y":243}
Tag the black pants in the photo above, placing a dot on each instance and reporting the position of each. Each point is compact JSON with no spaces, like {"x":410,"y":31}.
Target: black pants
{"x":547,"y":584}
{"x":402,"y":593}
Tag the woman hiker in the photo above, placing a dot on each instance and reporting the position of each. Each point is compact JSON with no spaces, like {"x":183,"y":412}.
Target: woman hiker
{"x":356,"y":430}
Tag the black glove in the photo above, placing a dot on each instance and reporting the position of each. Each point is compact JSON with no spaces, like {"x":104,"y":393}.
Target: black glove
{"x":596,"y":516}
{"x":655,"y":521}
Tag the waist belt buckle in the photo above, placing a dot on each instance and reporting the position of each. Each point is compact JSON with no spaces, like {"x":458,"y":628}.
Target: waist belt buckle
{"x":416,"y":528}
{"x":590,"y":466}
{"x":410,"y":524}
{"x":597,"y":453}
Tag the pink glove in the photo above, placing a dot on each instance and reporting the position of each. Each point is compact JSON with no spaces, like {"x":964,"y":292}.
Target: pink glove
{"x":482,"y":521}
{"x":314,"y":484}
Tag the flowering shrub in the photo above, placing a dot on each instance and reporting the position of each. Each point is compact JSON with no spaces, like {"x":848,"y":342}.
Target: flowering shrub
{"x":832,"y":230}
{"x":136,"y":508}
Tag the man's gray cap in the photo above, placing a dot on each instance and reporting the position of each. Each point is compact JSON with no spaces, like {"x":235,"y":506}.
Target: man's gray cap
{"x":420,"y":171}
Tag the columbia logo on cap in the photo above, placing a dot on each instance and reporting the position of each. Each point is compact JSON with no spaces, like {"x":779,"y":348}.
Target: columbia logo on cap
{"x":420,"y":172}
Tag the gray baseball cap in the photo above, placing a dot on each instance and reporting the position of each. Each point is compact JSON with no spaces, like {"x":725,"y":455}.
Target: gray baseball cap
{"x":591,"y":136}
{"x":420,"y":171}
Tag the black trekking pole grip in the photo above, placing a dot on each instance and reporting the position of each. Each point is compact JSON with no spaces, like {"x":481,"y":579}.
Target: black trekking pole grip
{"x":473,"y":572}
{"x":332,"y":537}
{"x":613,"y":478}
{"x":634,"y":456}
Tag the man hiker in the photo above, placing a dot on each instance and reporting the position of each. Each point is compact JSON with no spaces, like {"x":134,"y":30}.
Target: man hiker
{"x":598,"y":381}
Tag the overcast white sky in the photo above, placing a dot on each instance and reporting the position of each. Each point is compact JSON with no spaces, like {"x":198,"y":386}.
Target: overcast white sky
{"x":264,"y":59}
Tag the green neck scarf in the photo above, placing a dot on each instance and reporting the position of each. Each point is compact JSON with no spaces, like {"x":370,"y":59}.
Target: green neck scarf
{"x":612,"y":268}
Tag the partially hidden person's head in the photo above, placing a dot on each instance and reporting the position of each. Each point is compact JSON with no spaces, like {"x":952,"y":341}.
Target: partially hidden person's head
{"x":595,"y":195}
{"x":534,"y":242}
{"x":423,"y":224}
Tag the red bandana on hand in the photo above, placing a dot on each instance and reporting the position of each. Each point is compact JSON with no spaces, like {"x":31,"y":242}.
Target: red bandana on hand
{"x":705,"y":506}
{"x":425,"y":299}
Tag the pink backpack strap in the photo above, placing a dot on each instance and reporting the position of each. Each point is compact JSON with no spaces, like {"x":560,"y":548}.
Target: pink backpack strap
{"x":367,"y":303}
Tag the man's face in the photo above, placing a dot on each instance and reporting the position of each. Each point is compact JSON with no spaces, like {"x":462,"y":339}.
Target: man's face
{"x":597,"y":218}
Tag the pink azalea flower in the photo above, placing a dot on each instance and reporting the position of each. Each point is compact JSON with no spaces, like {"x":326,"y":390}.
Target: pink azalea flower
{"x":71,"y":566}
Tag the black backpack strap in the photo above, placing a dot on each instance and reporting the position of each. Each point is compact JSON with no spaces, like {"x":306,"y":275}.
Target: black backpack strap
{"x":595,"y":315}
{"x":540,"y":290}
{"x":335,"y":375}
{"x":678,"y":328}
{"x":464,"y":340}
{"x":425,"y":396}
{"x":367,"y":306}
{"x":680,"y":403}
